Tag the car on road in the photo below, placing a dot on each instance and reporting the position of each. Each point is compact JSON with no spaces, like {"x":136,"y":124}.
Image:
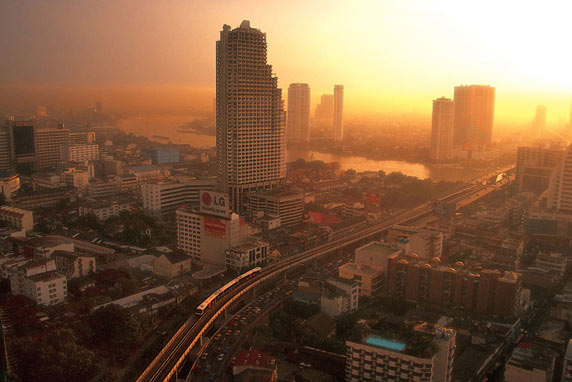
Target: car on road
{"x":226,"y":349}
{"x":220,"y":357}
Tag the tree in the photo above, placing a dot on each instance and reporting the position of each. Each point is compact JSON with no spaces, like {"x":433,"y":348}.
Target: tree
{"x":115,"y":327}
{"x":56,"y":357}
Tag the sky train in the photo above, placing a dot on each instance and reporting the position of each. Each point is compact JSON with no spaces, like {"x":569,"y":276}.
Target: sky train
{"x":219,"y":293}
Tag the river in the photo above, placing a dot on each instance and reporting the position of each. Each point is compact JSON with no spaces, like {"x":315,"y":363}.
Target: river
{"x":164,"y":128}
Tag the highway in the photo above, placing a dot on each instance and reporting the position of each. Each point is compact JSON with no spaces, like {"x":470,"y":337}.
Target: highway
{"x":172,"y":356}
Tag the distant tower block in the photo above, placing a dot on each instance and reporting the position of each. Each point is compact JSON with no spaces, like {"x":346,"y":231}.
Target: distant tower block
{"x":338,"y":113}
{"x":442,"y":129}
{"x":474,"y":114}
{"x":298,"y":127}
{"x":539,"y":121}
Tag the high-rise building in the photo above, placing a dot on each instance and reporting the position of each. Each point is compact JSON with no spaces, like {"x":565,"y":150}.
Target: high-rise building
{"x":5,"y":145}
{"x":324,"y":112}
{"x":539,"y":120}
{"x":474,"y":114}
{"x":49,"y":143}
{"x":22,"y":142}
{"x":559,"y":192}
{"x":84,"y":137}
{"x":442,"y":129}
{"x":338,"y":113}
{"x":378,"y":358}
{"x":534,"y":166}
{"x":298,"y":128}
{"x":250,"y":117}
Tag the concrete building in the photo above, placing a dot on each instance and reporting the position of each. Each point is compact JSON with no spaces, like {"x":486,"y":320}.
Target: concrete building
{"x":5,"y":149}
{"x":73,"y":265}
{"x":172,"y":264}
{"x":80,"y":152}
{"x":534,"y":166}
{"x":442,"y":124}
{"x":288,"y":206}
{"x":250,"y":118}
{"x":9,"y":183}
{"x":530,"y":363}
{"x":248,"y":255}
{"x":339,"y":296}
{"x":49,"y":143}
{"x":82,"y":138}
{"x":161,"y":198}
{"x":104,"y":209}
{"x":338,"y":113}
{"x":376,"y":255}
{"x":298,"y":128}
{"x":377,"y":358}
{"x":253,"y":365}
{"x":76,"y":178}
{"x":17,"y":217}
{"x":474,"y":114}
{"x":207,"y":238}
{"x":41,"y":282}
{"x":163,"y":155}
{"x":426,"y":243}
{"x":146,"y":173}
{"x":99,"y":189}
{"x":559,"y":193}
{"x":369,"y":278}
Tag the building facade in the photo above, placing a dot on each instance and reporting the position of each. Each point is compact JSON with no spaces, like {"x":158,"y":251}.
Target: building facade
{"x":298,"y":128}
{"x":442,"y":124}
{"x":288,"y":206}
{"x":534,"y":166}
{"x":338,"y":113}
{"x":161,"y":198}
{"x":474,"y":114}
{"x":250,"y":118}
{"x":49,"y":144}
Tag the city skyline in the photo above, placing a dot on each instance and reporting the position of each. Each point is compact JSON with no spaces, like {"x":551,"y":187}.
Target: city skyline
{"x":397,"y":81}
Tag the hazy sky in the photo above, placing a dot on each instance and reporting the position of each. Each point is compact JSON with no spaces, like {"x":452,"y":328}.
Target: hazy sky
{"x":391,"y":56}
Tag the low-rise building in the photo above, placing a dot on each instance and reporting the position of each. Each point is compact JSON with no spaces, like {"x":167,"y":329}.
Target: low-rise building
{"x":41,"y":282}
{"x":80,"y":152}
{"x":253,"y":365}
{"x":74,"y":265}
{"x":9,"y":183}
{"x":161,"y":198}
{"x":530,"y":363}
{"x":370,"y":279}
{"x":76,"y":178}
{"x":286,"y":205}
{"x":17,"y":217}
{"x":172,"y":264}
{"x":104,"y":209}
{"x":248,"y":255}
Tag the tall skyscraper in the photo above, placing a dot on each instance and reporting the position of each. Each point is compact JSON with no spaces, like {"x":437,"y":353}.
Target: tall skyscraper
{"x":298,"y":128}
{"x":442,"y":129}
{"x":338,"y":113}
{"x":539,"y":120}
{"x":250,"y":118}
{"x":49,"y":144}
{"x":474,"y":114}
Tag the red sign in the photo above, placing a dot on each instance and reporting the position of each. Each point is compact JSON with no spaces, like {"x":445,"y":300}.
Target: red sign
{"x":372,"y":199}
{"x":214,"y":226}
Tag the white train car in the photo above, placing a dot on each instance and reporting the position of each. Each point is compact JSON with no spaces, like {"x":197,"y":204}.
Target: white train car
{"x":206,"y":304}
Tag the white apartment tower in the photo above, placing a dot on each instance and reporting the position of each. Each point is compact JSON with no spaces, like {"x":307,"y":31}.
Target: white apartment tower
{"x":250,"y":117}
{"x":338,"y":113}
{"x":49,"y":143}
{"x":442,"y":129}
{"x":298,"y":128}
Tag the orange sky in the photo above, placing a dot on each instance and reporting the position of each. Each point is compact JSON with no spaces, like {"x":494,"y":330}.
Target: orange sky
{"x":393,"y":57}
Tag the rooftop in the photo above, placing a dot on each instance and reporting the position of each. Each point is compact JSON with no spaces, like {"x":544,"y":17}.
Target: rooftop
{"x":377,"y":246}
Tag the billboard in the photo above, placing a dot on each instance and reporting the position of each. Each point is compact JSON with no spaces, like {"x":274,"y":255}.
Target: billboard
{"x":214,"y":203}
{"x":214,"y":227}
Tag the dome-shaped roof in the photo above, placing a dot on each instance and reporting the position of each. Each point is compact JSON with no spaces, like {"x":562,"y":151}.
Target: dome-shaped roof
{"x":413,"y":255}
{"x":436,"y":260}
{"x":452,"y":270}
{"x":459,"y":264}
{"x":403,"y":261}
{"x":428,"y":266}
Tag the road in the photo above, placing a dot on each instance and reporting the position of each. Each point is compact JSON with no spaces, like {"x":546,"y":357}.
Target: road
{"x":172,"y":356}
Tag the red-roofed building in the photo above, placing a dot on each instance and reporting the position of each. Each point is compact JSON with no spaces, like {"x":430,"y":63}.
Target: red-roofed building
{"x":253,"y":365}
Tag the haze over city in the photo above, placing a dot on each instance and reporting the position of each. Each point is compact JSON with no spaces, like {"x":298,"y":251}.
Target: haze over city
{"x":297,"y":191}
{"x":393,"y":57}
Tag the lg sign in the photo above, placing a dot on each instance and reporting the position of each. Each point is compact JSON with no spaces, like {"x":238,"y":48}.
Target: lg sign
{"x":214,"y":203}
